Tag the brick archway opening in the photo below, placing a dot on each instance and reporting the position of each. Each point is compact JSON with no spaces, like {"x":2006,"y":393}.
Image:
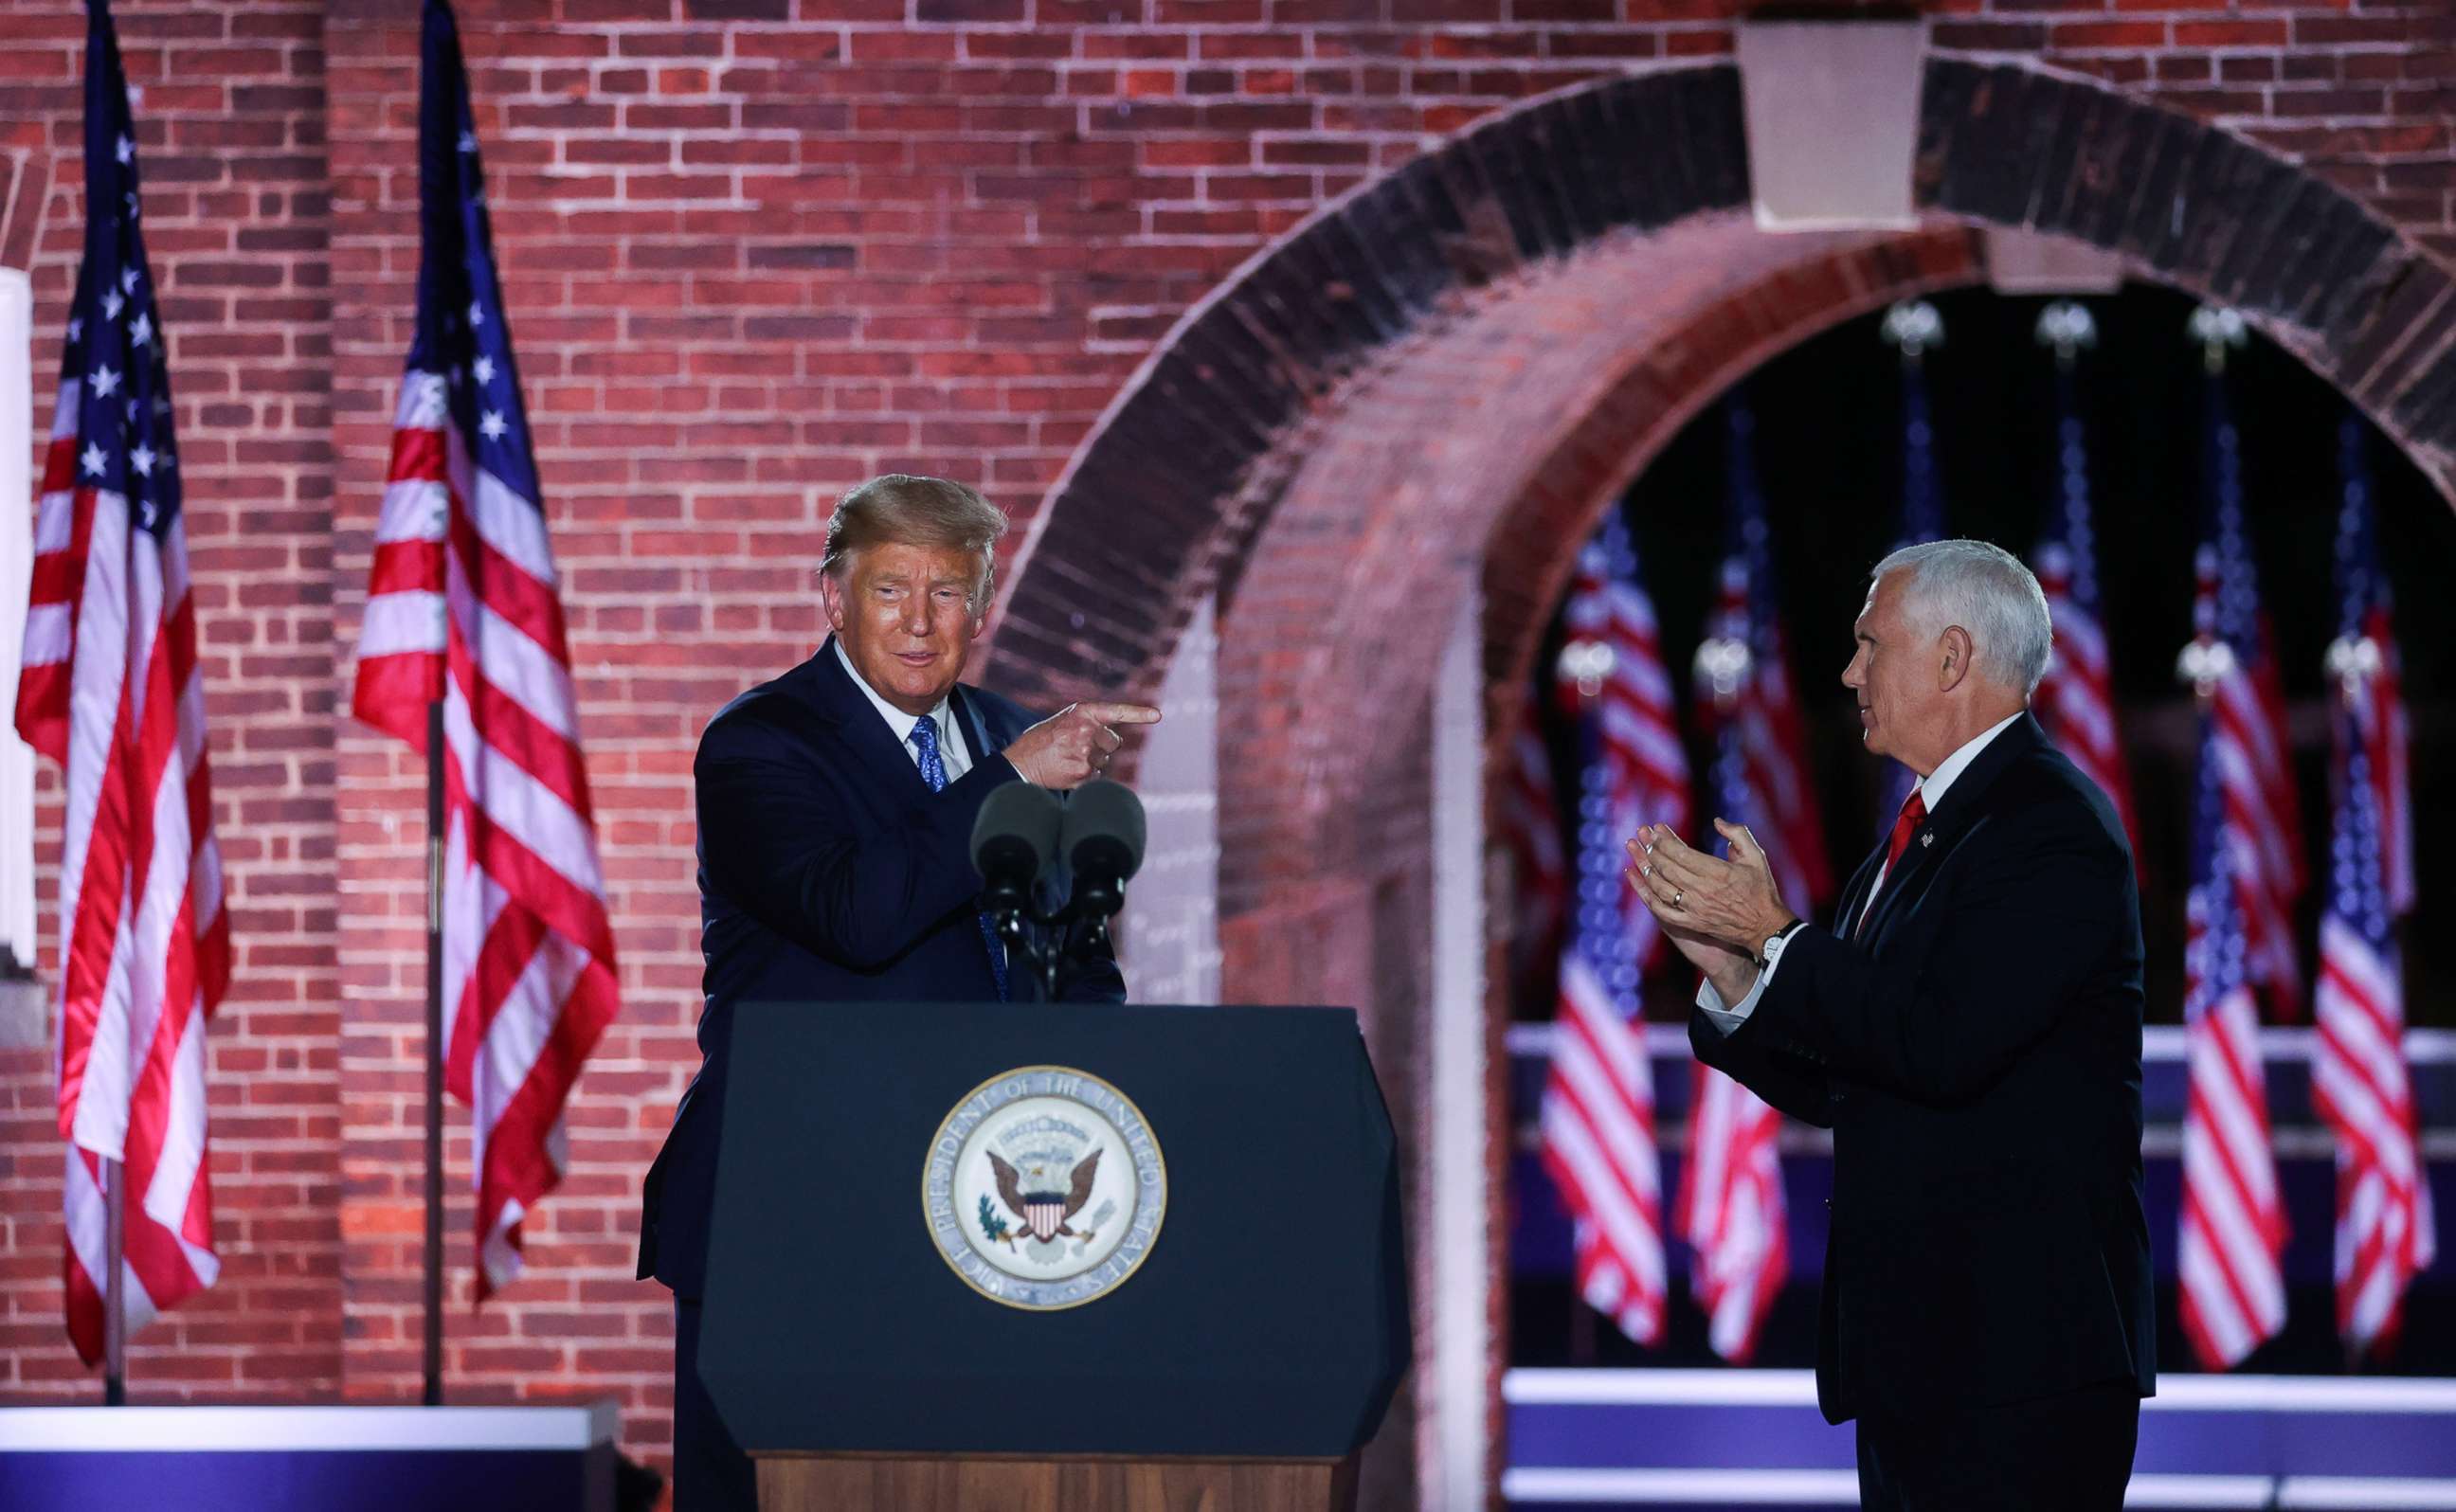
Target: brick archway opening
{"x":1432,"y":391}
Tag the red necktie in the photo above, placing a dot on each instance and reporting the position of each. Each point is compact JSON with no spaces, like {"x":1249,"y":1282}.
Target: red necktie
{"x":1913,"y":814}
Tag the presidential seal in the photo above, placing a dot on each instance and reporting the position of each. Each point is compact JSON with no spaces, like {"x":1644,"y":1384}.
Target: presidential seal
{"x":1044,"y":1188}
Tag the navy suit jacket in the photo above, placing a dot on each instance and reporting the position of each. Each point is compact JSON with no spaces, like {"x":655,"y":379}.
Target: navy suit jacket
{"x":827,"y":872}
{"x":1975,"y":1050}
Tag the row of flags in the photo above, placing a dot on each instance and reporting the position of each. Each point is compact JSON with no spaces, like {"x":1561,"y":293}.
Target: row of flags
{"x":462,"y":608}
{"x":2247,"y":877}
{"x":1598,"y":1110}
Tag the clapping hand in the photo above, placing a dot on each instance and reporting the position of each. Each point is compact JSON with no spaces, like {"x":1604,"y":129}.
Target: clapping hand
{"x":1717,"y":912}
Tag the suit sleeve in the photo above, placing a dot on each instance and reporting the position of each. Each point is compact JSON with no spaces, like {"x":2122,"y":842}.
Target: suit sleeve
{"x":2037,"y":913}
{"x":775,"y":844}
{"x":1788,"y":1082}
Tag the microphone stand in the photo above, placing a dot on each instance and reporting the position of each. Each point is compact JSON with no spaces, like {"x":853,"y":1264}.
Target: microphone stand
{"x":1009,"y":909}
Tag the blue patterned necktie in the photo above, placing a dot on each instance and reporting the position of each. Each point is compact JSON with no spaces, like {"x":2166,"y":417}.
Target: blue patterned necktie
{"x":933,"y":771}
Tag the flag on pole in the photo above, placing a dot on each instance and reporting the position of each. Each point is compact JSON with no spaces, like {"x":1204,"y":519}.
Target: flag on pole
{"x":1747,"y":698}
{"x":1731,"y":1209}
{"x":1598,"y":1110}
{"x":2233,"y":1223}
{"x":111,"y":690}
{"x":2263,"y":814}
{"x":2360,"y":1079}
{"x":1912,"y":328}
{"x":1613,"y":665}
{"x":1531,"y":825}
{"x":2233,"y":1289}
{"x":2076,"y":700}
{"x":2377,"y":697}
{"x":463,"y":607}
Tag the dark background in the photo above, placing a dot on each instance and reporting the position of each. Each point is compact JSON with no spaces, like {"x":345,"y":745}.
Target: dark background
{"x":1828,"y":455}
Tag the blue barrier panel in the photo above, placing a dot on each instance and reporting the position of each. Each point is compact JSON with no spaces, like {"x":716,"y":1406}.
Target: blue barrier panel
{"x":308,"y":1459}
{"x":1701,"y":1439}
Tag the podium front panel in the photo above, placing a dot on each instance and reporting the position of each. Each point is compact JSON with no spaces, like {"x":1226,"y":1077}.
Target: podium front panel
{"x":1265,"y":1316}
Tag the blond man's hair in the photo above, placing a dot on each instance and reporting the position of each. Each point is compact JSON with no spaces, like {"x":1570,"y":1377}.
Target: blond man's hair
{"x":906,"y":510}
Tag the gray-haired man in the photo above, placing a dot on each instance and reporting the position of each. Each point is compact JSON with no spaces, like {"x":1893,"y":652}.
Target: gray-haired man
{"x":1969,"y":1029}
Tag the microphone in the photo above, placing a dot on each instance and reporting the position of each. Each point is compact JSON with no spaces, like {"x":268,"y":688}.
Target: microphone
{"x":1013,"y":837}
{"x":1101,"y":838}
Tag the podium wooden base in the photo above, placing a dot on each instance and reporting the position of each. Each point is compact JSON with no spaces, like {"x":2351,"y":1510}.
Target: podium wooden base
{"x":1083,"y":1483}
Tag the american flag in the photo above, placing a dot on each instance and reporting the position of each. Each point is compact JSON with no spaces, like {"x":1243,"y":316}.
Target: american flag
{"x":1597,"y":1112}
{"x":110,"y":689}
{"x":1922,"y":520}
{"x":2233,"y":1225}
{"x":1731,"y":1208}
{"x":2076,"y":698}
{"x":1744,"y":685}
{"x":462,"y":607}
{"x":1612,"y":660}
{"x":1530,"y":825}
{"x":2358,"y":1078}
{"x":2379,"y":706}
{"x":2263,"y":817}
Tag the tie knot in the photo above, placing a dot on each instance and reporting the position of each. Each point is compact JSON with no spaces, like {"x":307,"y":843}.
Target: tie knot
{"x":925,"y":735}
{"x":1914,"y":807}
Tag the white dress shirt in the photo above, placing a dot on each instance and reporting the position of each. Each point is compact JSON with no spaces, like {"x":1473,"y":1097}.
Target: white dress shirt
{"x":1932,"y":787}
{"x":951,"y":749}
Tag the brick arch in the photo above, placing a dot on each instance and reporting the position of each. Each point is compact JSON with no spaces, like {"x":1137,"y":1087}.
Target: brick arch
{"x":1205,"y":440}
{"x":1100,"y":592}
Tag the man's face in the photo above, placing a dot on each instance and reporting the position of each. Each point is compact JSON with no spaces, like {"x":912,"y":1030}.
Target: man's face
{"x":905,"y":615}
{"x":1892,"y":673}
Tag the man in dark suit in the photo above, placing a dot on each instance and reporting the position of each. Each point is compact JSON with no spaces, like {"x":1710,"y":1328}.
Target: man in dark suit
{"x":835,"y":809}
{"x":1970,"y":1029}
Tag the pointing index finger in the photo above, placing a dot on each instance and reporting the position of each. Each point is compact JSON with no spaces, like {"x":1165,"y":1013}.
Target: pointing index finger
{"x":1122,"y":713}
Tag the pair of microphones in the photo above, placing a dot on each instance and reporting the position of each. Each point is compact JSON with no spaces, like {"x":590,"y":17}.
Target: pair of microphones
{"x":1096,"y":831}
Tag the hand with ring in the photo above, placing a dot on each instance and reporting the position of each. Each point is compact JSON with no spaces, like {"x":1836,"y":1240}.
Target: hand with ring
{"x":1732,"y":904}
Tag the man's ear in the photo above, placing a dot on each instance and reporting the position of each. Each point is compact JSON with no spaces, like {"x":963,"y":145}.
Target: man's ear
{"x":1954,"y":646}
{"x":832,"y":599}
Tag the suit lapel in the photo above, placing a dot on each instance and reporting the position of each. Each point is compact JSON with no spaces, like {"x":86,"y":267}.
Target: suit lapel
{"x":823,"y":684}
{"x":1854,"y":895}
{"x":1963,"y":803}
{"x":973,"y":719}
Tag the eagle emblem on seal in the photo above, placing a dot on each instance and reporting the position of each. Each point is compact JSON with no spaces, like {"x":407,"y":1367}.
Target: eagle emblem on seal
{"x":1046,"y":1191}
{"x":1044,"y":1188}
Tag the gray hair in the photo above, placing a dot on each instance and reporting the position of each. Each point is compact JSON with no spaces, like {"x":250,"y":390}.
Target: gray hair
{"x":912,"y":511}
{"x":1987,"y":592}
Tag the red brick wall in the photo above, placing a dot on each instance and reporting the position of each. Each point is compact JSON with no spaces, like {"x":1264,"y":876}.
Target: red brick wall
{"x":753,"y":251}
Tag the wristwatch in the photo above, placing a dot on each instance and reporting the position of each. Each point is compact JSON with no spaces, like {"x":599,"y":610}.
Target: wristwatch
{"x":1772,"y":951}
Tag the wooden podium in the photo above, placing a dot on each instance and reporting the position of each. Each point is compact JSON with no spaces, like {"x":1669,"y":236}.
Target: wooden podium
{"x":795,"y":1482}
{"x":1081,"y":1257}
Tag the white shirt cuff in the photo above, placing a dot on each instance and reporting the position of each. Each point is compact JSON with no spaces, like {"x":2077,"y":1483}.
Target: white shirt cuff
{"x":1728,"y":1018}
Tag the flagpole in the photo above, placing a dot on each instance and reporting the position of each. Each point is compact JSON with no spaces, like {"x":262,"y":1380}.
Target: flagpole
{"x":433,"y":1394}
{"x":114,"y":1292}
